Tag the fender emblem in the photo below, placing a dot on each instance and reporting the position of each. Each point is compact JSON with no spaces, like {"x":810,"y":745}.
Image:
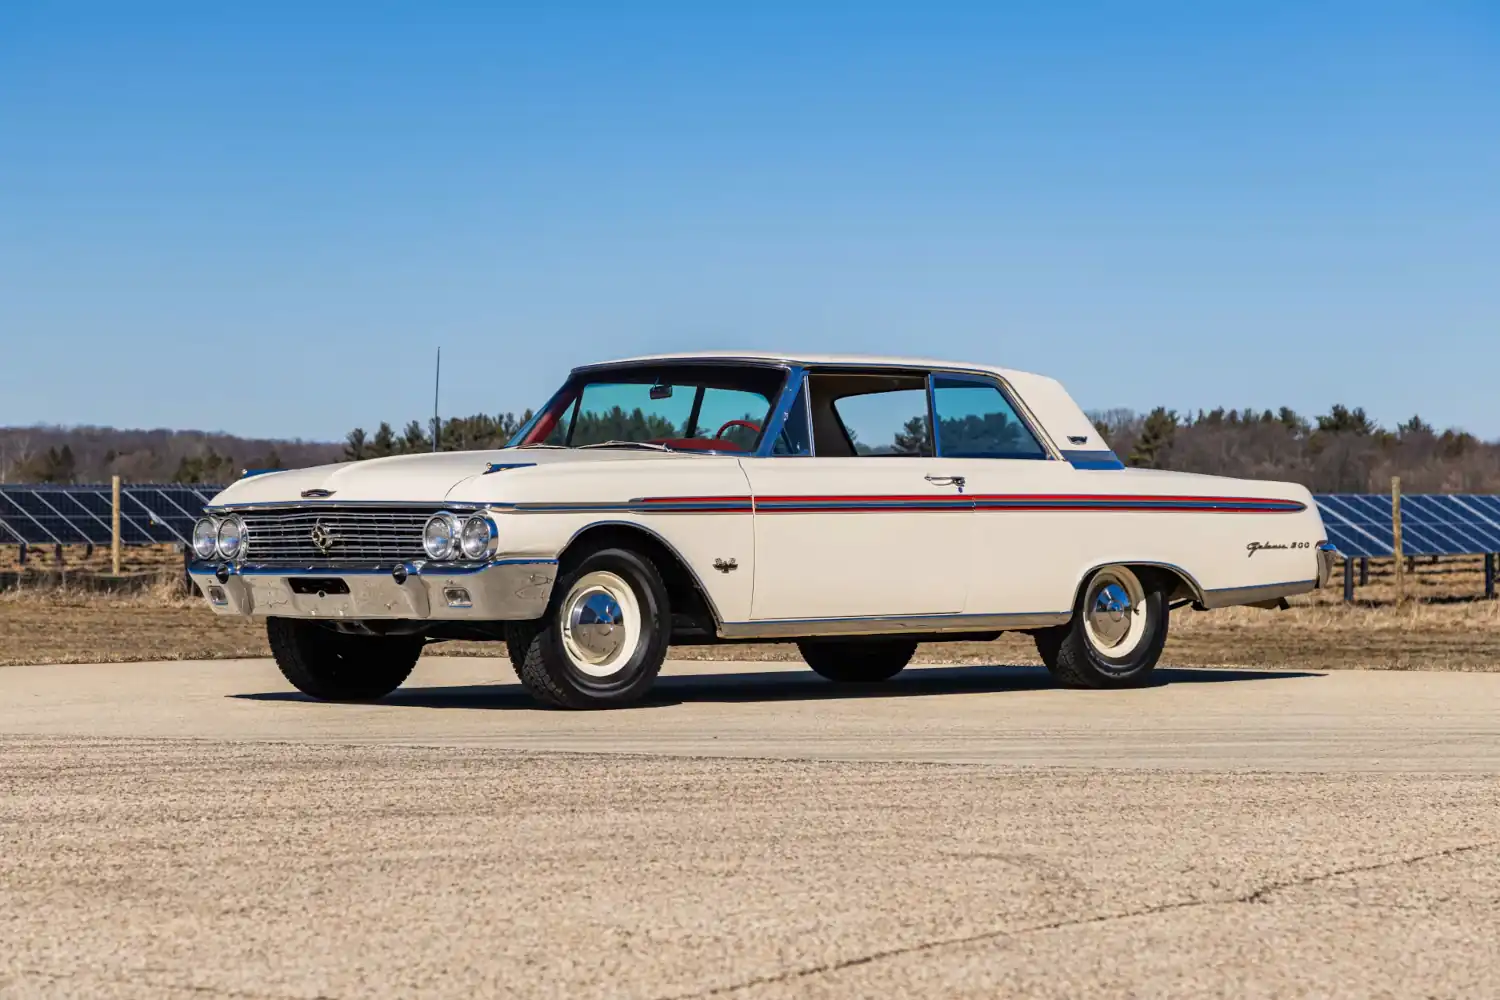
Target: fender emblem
{"x":726,"y":565}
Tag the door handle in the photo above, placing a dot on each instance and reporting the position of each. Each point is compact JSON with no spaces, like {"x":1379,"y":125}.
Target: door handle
{"x":946,"y":481}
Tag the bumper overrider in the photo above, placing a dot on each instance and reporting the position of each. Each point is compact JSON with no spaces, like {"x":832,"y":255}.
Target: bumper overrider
{"x":515,"y":589}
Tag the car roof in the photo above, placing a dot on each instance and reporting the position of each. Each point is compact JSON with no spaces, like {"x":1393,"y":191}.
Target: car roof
{"x":840,"y":360}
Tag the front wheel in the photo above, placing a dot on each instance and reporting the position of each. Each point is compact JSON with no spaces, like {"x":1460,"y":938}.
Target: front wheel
{"x":857,"y":661}
{"x":333,"y":666}
{"x":1116,"y":635}
{"x":604,"y":637}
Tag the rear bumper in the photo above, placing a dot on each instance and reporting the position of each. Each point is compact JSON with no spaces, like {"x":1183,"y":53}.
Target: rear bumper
{"x":1328,"y":557}
{"x":501,"y":590}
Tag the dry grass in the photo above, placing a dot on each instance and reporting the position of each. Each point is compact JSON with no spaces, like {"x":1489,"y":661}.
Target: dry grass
{"x":1447,"y":628}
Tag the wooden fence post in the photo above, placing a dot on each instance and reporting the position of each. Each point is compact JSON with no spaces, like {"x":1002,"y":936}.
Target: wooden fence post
{"x":114,"y":541}
{"x":1396,"y":533}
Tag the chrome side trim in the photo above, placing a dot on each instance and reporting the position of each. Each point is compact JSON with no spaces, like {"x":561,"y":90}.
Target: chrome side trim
{"x":799,"y":628}
{"x":1231,"y":596}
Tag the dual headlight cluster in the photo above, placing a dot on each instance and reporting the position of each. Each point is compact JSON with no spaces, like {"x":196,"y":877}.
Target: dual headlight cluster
{"x":224,"y":538}
{"x":448,"y":537}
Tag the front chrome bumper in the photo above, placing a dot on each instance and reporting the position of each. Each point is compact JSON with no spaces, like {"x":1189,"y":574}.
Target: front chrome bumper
{"x":500,"y":590}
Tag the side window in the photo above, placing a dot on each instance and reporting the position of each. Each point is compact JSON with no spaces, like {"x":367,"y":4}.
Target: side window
{"x":893,"y":422}
{"x":975,"y":420}
{"x":796,"y":436}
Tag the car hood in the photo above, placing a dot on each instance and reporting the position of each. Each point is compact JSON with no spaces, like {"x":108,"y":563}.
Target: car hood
{"x":427,"y":478}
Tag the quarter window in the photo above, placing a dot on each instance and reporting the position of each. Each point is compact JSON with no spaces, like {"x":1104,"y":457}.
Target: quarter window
{"x":886,"y":423}
{"x":975,"y":420}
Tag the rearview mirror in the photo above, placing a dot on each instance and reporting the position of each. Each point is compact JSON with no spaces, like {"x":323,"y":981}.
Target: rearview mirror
{"x":659,"y":391}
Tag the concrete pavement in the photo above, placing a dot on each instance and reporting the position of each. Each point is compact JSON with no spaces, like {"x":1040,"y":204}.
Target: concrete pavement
{"x":192,"y":829}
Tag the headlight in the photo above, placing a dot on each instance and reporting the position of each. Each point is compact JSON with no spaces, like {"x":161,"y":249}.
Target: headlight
{"x":205,"y":538}
{"x":479,"y":533}
{"x":440,"y":537}
{"x":231,"y":537}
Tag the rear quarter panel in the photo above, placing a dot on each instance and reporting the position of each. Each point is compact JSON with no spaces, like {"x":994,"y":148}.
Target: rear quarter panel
{"x":1126,"y":516}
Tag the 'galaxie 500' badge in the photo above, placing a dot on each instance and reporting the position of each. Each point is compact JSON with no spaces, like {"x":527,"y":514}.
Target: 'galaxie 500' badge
{"x":323,"y":538}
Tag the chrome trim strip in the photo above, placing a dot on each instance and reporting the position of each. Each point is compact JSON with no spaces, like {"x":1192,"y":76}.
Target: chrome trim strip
{"x":433,"y":505}
{"x":797,"y":628}
{"x":784,"y":363}
{"x":1231,"y":596}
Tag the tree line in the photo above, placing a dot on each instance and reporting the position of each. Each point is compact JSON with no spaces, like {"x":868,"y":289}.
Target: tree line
{"x":1343,"y":450}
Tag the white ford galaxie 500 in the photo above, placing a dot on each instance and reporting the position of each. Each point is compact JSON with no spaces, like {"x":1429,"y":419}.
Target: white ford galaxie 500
{"x":855,"y":506}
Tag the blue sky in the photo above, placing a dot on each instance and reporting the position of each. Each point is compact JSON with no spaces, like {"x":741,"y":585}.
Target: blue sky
{"x":262,"y":218}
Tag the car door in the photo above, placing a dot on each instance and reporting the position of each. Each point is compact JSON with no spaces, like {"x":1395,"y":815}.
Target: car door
{"x":864,"y":525}
{"x":1023,"y":554}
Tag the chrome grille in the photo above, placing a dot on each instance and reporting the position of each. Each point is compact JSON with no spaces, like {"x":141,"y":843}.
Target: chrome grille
{"x":348,"y":535}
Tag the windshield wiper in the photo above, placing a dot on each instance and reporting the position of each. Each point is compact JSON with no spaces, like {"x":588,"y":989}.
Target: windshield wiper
{"x":539,"y":444}
{"x":650,"y":445}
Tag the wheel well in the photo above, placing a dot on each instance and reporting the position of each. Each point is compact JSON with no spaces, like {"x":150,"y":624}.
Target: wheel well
{"x":1176,"y":581}
{"x":686,"y":594}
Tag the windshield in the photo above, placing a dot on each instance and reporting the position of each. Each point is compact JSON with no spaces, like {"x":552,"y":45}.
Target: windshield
{"x":680,"y":407}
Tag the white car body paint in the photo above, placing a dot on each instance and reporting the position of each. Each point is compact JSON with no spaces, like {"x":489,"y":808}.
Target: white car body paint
{"x":822,"y":544}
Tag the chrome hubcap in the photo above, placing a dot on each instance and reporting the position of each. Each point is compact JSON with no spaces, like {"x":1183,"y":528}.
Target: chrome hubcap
{"x":1110,"y":614}
{"x":601,"y":624}
{"x":597,"y":625}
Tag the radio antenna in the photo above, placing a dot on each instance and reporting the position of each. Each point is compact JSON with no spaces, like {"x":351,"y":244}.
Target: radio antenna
{"x":437,"y":383}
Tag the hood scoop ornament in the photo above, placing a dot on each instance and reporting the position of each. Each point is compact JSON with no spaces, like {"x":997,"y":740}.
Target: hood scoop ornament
{"x":316,"y":494}
{"x":502,"y":466}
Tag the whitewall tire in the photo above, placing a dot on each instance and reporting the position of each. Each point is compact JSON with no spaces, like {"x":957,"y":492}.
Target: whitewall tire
{"x":604,"y":637}
{"x":1117,"y":632}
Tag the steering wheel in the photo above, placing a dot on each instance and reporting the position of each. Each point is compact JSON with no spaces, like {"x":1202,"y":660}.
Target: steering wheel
{"x":755,"y":428}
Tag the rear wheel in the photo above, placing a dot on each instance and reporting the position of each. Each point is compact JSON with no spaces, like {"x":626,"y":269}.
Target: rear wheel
{"x":857,"y":661}
{"x":333,"y":666}
{"x":1116,"y":636}
{"x":604,"y":637}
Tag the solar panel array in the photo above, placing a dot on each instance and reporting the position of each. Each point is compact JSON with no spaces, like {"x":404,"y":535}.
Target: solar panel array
{"x":1359,"y":524}
{"x":76,"y":515}
{"x":1431,"y":524}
